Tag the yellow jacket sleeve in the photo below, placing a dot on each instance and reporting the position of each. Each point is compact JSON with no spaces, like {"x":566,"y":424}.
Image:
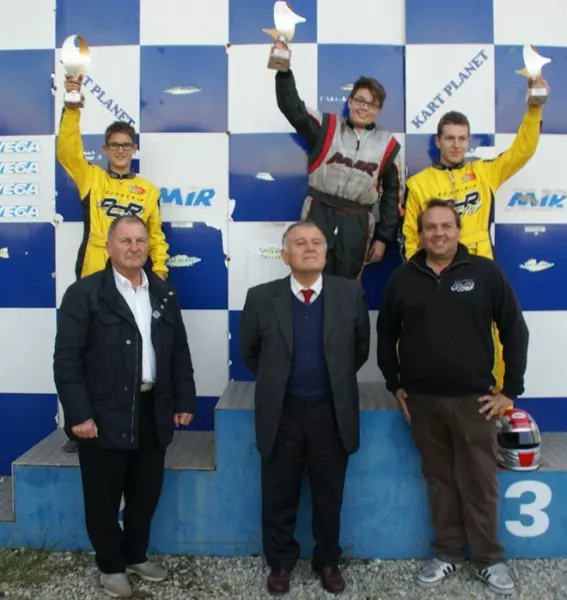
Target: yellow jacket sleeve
{"x":158,"y":248}
{"x":409,"y":229}
{"x":70,"y":151}
{"x":500,"y":169}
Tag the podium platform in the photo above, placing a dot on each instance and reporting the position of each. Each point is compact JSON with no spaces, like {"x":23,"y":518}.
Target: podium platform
{"x":210,"y":502}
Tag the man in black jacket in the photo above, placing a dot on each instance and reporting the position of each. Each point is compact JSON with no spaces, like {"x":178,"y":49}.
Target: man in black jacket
{"x":440,"y":307}
{"x":124,"y":376}
{"x":305,"y":337}
{"x":355,"y":188}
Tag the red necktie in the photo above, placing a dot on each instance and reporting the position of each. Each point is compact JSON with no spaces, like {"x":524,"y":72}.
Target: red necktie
{"x":308,"y":294}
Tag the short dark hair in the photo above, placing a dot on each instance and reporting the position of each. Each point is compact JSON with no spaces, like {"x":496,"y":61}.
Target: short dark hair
{"x":302,"y":223}
{"x":128,"y":218}
{"x":373,"y":86}
{"x":452,"y":118}
{"x":120,"y":127}
{"x":436,"y":203}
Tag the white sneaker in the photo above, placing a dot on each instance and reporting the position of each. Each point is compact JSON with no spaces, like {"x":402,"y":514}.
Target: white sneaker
{"x":148,"y":571}
{"x":434,"y":571}
{"x":497,"y":577}
{"x":116,"y":585}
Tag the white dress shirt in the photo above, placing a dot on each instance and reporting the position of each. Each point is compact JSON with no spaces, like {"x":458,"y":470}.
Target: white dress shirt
{"x":139,"y":302}
{"x":296,"y":288}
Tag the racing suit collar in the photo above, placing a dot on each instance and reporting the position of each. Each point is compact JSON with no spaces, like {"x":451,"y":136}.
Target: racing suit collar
{"x":439,"y":165}
{"x":368,"y":127}
{"x":114,"y":175}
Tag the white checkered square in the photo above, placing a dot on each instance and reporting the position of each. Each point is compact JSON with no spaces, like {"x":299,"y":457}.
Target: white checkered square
{"x":361,"y":22}
{"x":111,"y":88}
{"x":183,"y":22}
{"x":545,"y":376}
{"x":251,"y":87}
{"x":526,"y":22}
{"x":207,"y":332}
{"x":27,"y":25}
{"x":522,"y":199}
{"x":26,"y":355}
{"x":254,"y":258}
{"x":441,"y":78}
{"x":68,"y":238}
{"x":27,"y":178}
{"x":194,"y":176}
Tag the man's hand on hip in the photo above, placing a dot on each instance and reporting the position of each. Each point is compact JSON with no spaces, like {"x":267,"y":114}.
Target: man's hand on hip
{"x":86,"y":431}
{"x":494,"y":405}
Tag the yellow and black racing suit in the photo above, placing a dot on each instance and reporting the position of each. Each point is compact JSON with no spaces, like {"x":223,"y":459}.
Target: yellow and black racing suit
{"x":472,"y":185}
{"x":106,"y":195}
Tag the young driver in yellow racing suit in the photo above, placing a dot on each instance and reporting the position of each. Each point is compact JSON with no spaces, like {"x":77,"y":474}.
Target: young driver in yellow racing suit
{"x":106,"y":195}
{"x":471,"y":186}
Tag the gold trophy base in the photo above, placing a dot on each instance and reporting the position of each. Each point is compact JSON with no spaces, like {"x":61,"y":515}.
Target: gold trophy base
{"x":537,"y":96}
{"x":74,"y":100}
{"x":279,"y":60}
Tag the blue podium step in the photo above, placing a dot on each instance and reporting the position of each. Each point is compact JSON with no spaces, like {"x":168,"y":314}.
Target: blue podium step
{"x":210,"y":502}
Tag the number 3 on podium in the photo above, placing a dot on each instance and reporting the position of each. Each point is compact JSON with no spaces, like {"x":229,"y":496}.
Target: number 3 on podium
{"x":535,"y":509}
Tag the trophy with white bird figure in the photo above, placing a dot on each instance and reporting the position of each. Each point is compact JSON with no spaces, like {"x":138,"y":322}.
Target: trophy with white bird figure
{"x":533,"y":61}
{"x":285,"y":21}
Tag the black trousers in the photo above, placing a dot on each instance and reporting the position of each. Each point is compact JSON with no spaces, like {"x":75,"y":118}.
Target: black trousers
{"x":106,"y":476}
{"x":307,"y":437}
{"x":348,"y":238}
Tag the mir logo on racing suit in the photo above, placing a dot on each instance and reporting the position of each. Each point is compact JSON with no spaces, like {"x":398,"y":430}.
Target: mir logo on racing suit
{"x":366,"y":167}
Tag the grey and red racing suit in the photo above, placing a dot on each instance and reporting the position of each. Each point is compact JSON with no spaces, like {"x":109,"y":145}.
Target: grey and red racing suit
{"x":355,"y":185}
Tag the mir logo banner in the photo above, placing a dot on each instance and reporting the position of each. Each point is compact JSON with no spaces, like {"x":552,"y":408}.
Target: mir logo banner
{"x":109,"y":103}
{"x":177,"y":197}
{"x":548,"y":200}
{"x":448,"y":90}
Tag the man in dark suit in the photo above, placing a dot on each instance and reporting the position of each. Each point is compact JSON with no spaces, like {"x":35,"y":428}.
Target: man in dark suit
{"x":305,"y":337}
{"x":124,"y":375}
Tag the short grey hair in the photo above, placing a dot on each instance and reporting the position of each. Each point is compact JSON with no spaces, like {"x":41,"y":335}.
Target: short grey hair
{"x":303,"y":223}
{"x":128,"y":218}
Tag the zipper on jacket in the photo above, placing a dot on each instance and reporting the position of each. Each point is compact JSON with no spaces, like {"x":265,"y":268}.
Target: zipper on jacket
{"x":453,"y":184}
{"x":438,"y":277}
{"x":346,"y":183}
{"x":136,"y":386}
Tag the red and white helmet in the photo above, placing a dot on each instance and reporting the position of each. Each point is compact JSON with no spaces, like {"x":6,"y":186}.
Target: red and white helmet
{"x":519,"y":441}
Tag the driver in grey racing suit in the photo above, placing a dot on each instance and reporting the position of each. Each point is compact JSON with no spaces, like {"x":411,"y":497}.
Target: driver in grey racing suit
{"x":355,"y":185}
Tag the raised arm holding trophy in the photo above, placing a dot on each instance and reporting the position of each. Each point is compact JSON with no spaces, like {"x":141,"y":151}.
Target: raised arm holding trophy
{"x":355,"y":186}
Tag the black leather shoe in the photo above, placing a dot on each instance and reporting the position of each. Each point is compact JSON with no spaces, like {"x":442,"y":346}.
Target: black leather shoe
{"x":278,"y":582}
{"x":332,"y":580}
{"x":70,"y":446}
